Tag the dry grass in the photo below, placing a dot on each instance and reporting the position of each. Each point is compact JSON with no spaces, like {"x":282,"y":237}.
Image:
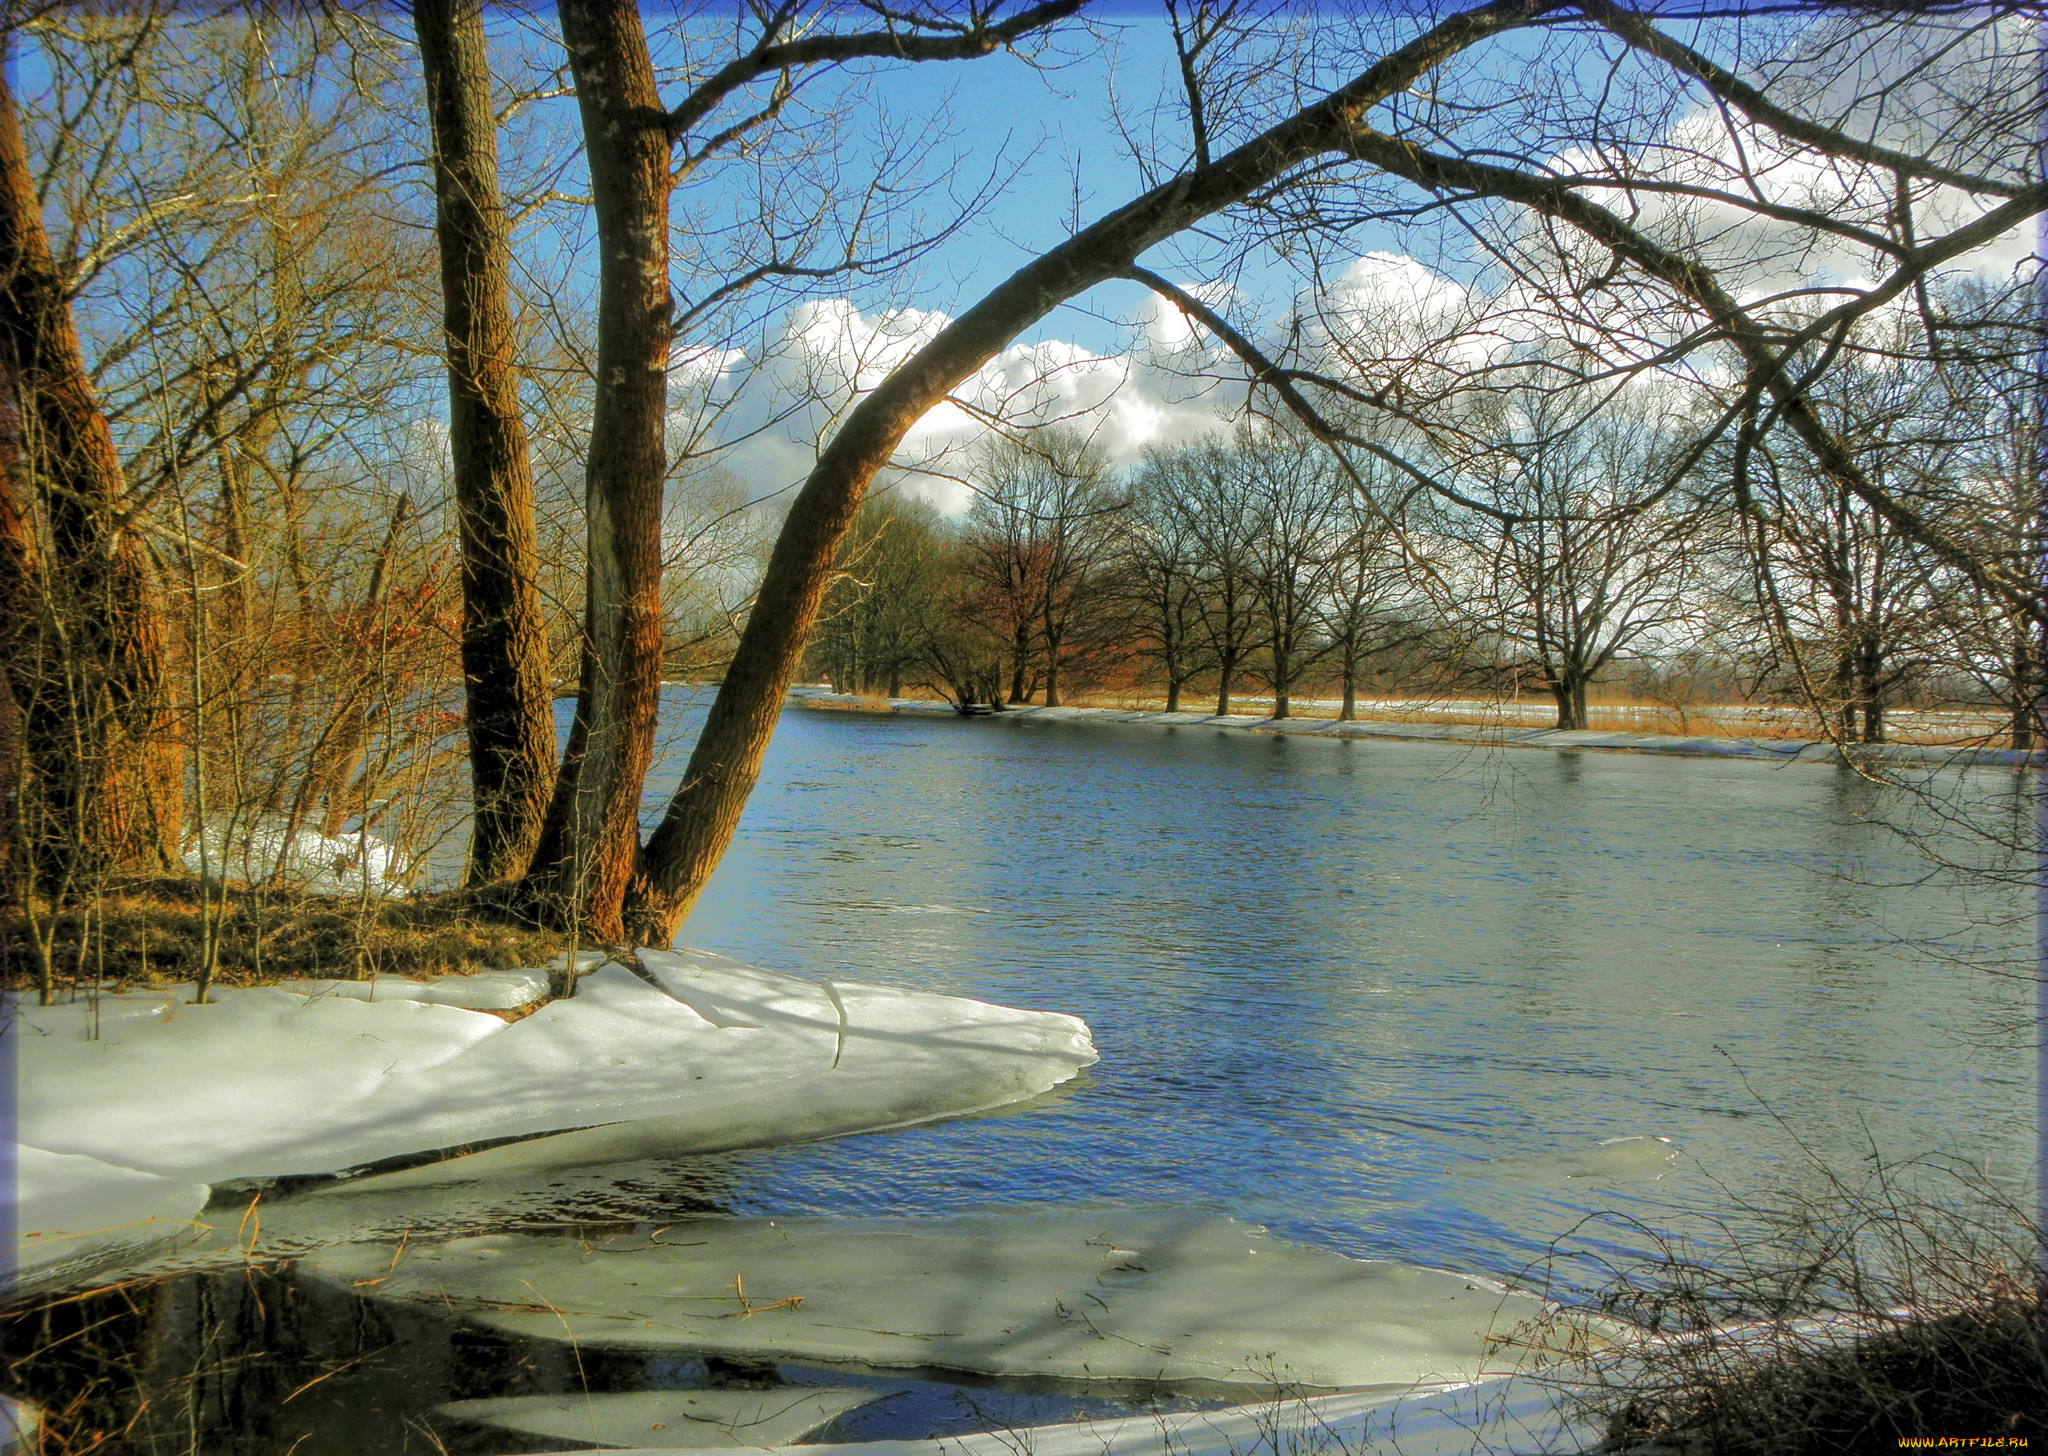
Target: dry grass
{"x":856,"y":703}
{"x":153,"y":932}
{"x":1849,"y":1320}
{"x":1613,"y":713}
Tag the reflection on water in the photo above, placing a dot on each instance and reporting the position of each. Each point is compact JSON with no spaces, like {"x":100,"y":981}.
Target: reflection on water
{"x":1388,"y":998}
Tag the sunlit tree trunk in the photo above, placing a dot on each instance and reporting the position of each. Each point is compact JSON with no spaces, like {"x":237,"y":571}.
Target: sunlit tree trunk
{"x":592,"y":832}
{"x":510,"y":716}
{"x":87,"y":674}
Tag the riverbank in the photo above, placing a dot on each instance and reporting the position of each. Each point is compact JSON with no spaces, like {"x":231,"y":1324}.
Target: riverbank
{"x":1774,"y":750}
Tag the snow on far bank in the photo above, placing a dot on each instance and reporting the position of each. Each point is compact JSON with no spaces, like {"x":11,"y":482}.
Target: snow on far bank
{"x":278,"y":1081}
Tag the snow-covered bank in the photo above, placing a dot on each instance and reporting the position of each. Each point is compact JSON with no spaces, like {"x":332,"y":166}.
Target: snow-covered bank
{"x":131,"y":1104}
{"x":1771,"y":750}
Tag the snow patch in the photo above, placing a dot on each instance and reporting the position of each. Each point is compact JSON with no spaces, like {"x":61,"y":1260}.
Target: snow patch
{"x":267,"y":850}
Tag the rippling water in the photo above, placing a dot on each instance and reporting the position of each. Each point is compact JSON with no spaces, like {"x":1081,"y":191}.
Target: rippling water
{"x":1376,"y":995}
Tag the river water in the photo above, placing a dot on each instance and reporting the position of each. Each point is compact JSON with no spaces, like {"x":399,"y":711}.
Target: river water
{"x":1386,"y":998}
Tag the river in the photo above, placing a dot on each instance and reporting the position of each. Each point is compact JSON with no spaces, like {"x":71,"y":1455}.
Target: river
{"x":1387,"y":998}
{"x":1379,"y":995}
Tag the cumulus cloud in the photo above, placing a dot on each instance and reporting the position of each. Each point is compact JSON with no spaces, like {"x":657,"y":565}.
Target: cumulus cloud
{"x":829,"y":352}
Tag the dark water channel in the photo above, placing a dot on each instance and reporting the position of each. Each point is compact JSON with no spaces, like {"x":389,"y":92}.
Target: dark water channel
{"x":1385,"y":998}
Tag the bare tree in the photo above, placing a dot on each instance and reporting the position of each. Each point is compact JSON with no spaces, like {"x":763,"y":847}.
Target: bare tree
{"x":891,"y":597}
{"x":1575,"y":564}
{"x":590,"y":841}
{"x":1041,"y":532}
{"x":1160,"y":578}
{"x":1295,"y":508}
{"x":1370,"y":605}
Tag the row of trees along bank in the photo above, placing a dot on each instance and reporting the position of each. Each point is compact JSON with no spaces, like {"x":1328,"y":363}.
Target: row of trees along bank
{"x":330,"y":451}
{"x":1571,"y":536}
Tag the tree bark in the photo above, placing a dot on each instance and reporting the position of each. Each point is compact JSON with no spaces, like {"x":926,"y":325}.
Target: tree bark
{"x":2025,"y":708}
{"x":700,"y":819}
{"x":509,"y":713}
{"x":105,"y":790}
{"x":592,"y":833}
{"x":1570,"y":692}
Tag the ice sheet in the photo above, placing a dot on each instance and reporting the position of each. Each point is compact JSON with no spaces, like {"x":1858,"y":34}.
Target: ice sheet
{"x":1613,"y":1160}
{"x":1116,"y":1294}
{"x":476,"y":991}
{"x":269,"y":1082}
{"x":681,"y":1419}
{"x":75,"y":1214}
{"x":898,"y":1057}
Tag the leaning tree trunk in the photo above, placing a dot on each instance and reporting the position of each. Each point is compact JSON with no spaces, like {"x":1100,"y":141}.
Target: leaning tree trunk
{"x":592,"y":834}
{"x":103,"y":788}
{"x":700,"y":819}
{"x":510,"y":710}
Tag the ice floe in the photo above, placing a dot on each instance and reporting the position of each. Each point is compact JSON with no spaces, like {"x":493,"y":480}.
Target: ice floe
{"x":280,"y":1081}
{"x":679,"y":1419}
{"x":1612,"y":1160}
{"x":1116,"y":1294}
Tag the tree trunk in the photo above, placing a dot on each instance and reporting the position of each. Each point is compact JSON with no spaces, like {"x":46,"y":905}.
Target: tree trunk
{"x":701,"y":818}
{"x":1570,"y":692}
{"x":510,"y":713}
{"x":2025,"y":709}
{"x":1349,"y":714}
{"x":1173,"y":695}
{"x":104,"y":789}
{"x":1020,"y":659}
{"x":1052,"y":671}
{"x":588,"y":844}
{"x":1223,"y":677}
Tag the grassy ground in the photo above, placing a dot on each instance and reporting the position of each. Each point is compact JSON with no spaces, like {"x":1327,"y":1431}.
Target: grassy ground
{"x":154,"y":932}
